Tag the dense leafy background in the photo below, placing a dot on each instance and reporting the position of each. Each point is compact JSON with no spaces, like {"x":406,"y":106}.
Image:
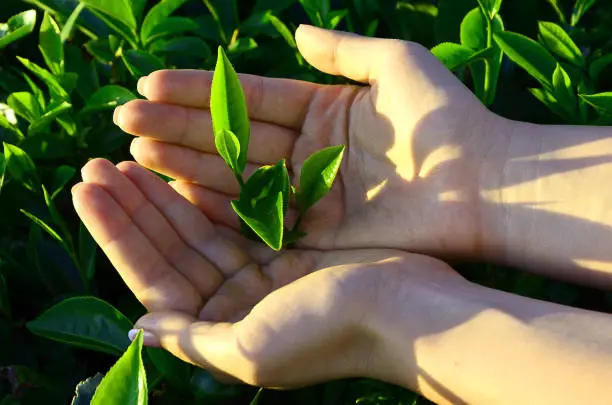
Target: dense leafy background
{"x":52,"y":123}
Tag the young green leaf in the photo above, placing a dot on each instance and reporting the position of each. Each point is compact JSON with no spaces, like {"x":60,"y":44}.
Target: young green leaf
{"x":317,"y":176}
{"x":602,"y":102}
{"x":108,"y":97}
{"x":118,"y":9}
{"x":70,"y":22}
{"x":55,"y":110}
{"x":529,"y":55}
{"x":229,"y":148}
{"x":85,"y":322}
{"x":452,"y":55}
{"x":563,"y":90}
{"x":490,"y":7}
{"x":20,"y":167}
{"x":55,"y":88}
{"x":228,"y":106}
{"x":141,"y":63}
{"x":559,"y":42}
{"x":62,"y":175}
{"x":43,"y":225}
{"x":549,"y":100}
{"x":51,"y":46}
{"x":242,"y":45}
{"x":25,"y":105}
{"x":580,"y":8}
{"x":17,"y":27}
{"x":265,"y":218}
{"x":126,"y":382}
{"x":156,"y":16}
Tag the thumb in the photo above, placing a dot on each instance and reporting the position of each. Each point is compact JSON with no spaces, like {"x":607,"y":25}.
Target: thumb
{"x":341,"y":53}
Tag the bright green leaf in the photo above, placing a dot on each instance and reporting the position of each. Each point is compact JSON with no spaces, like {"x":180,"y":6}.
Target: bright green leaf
{"x":242,"y":45}
{"x":55,"y":88}
{"x":228,"y":106}
{"x":559,"y":42}
{"x":108,"y":97}
{"x":43,"y":225}
{"x":70,"y":22}
{"x":118,"y":9}
{"x":38,"y":93}
{"x":602,"y":102}
{"x":25,"y":105}
{"x":138,"y":8}
{"x":265,"y":219}
{"x":564,"y":92}
{"x":580,"y":8}
{"x":529,"y":55}
{"x":156,"y":16}
{"x":282,"y":29}
{"x":119,"y":27}
{"x":174,"y":370}
{"x":228,"y":147}
{"x":55,"y":110}
{"x":126,"y":382}
{"x":141,"y":63}
{"x":317,"y":176}
{"x":20,"y":167}
{"x":85,"y":322}
{"x":171,"y":26}
{"x":17,"y":27}
{"x":452,"y":55}
{"x":2,"y":171}
{"x":549,"y":100}
{"x":490,"y":7}
{"x":50,"y":45}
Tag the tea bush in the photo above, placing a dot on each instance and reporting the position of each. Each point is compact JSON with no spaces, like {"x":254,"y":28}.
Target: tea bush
{"x":65,"y":64}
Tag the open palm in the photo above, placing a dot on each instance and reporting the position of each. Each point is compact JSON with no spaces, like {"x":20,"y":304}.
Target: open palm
{"x":410,"y":174}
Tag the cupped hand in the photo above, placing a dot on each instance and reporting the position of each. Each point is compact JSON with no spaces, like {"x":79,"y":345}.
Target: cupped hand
{"x":235,"y":307}
{"x":415,"y":140}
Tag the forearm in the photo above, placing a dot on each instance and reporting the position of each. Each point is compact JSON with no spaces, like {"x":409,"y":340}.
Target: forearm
{"x":475,"y":345}
{"x":547,"y":204}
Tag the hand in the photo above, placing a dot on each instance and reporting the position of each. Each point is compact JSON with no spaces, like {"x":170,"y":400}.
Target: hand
{"x":236,"y":307}
{"x":416,"y":141}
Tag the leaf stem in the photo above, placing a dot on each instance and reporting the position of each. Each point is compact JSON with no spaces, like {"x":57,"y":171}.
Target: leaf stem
{"x":488,"y":79}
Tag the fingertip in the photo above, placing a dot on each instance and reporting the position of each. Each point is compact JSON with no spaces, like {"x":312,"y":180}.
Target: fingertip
{"x":148,"y":338}
{"x":141,"y":86}
{"x":116,"y":115}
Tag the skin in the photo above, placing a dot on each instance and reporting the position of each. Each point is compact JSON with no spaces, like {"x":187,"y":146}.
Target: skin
{"x":427,"y":169}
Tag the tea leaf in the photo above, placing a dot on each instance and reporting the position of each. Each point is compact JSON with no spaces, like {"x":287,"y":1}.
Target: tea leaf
{"x":20,"y":167}
{"x":70,"y":22}
{"x":156,"y":16}
{"x":87,"y":252}
{"x":50,"y":45}
{"x":25,"y":105}
{"x":55,"y":88}
{"x":17,"y":27}
{"x":183,"y":45}
{"x":228,"y":106}
{"x":120,"y":10}
{"x":55,"y":110}
{"x":126,"y":381}
{"x":564,"y":92}
{"x":529,"y":55}
{"x":559,"y":42}
{"x":174,"y":370}
{"x":85,"y":322}
{"x":602,"y":102}
{"x":490,"y":7}
{"x":2,"y":171}
{"x":580,"y":8}
{"x":317,"y":176}
{"x":61,"y":177}
{"x":141,"y":63}
{"x":452,"y":55}
{"x":599,"y":65}
{"x":229,"y":148}
{"x":546,"y":98}
{"x":108,"y":97}
{"x":171,"y":26}
{"x":265,"y":219}
{"x":44,"y":226}
{"x":85,"y":390}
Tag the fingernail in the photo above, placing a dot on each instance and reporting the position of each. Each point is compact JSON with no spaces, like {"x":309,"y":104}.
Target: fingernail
{"x":148,"y":339}
{"x":74,"y":188}
{"x":140,"y":86}
{"x":116,"y":115}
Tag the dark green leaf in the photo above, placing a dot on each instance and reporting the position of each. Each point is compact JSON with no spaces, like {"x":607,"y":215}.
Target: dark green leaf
{"x":228,"y":106}
{"x":119,"y":27}
{"x":564,"y":92}
{"x":25,"y":105}
{"x":100,"y":49}
{"x":18,"y":26}
{"x":55,"y":110}
{"x":141,"y":63}
{"x":118,"y":9}
{"x":5,"y":303}
{"x":580,"y":8}
{"x":559,"y":42}
{"x":85,"y":322}
{"x":602,"y":102}
{"x":126,"y":382}
{"x":55,"y":88}
{"x":61,"y":177}
{"x":50,"y":45}
{"x":599,"y":65}
{"x":43,"y":225}
{"x":452,"y":55}
{"x":171,"y":26}
{"x":225,"y":15}
{"x":108,"y":97}
{"x":2,"y":171}
{"x":317,"y":176}
{"x":174,"y":370}
{"x":156,"y":16}
{"x":228,"y":147}
{"x":549,"y":100}
{"x":529,"y":55}
{"x":185,"y":45}
{"x":490,"y":7}
{"x":206,"y":387}
{"x":85,"y":390}
{"x":275,"y":6}
{"x":38,"y":93}
{"x":138,"y":7}
{"x":87,"y":252}
{"x":20,"y":167}
{"x":70,"y":22}
{"x":11,"y":128}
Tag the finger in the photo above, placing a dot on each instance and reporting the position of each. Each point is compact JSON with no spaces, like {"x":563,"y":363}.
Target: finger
{"x":216,"y":206}
{"x":187,"y":261}
{"x":278,"y":101}
{"x":152,"y":280}
{"x":192,"y":128}
{"x":340,"y":53}
{"x":187,"y":164}
{"x":192,"y":226}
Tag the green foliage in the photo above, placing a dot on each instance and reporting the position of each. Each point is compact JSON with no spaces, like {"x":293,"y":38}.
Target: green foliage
{"x":58,"y":87}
